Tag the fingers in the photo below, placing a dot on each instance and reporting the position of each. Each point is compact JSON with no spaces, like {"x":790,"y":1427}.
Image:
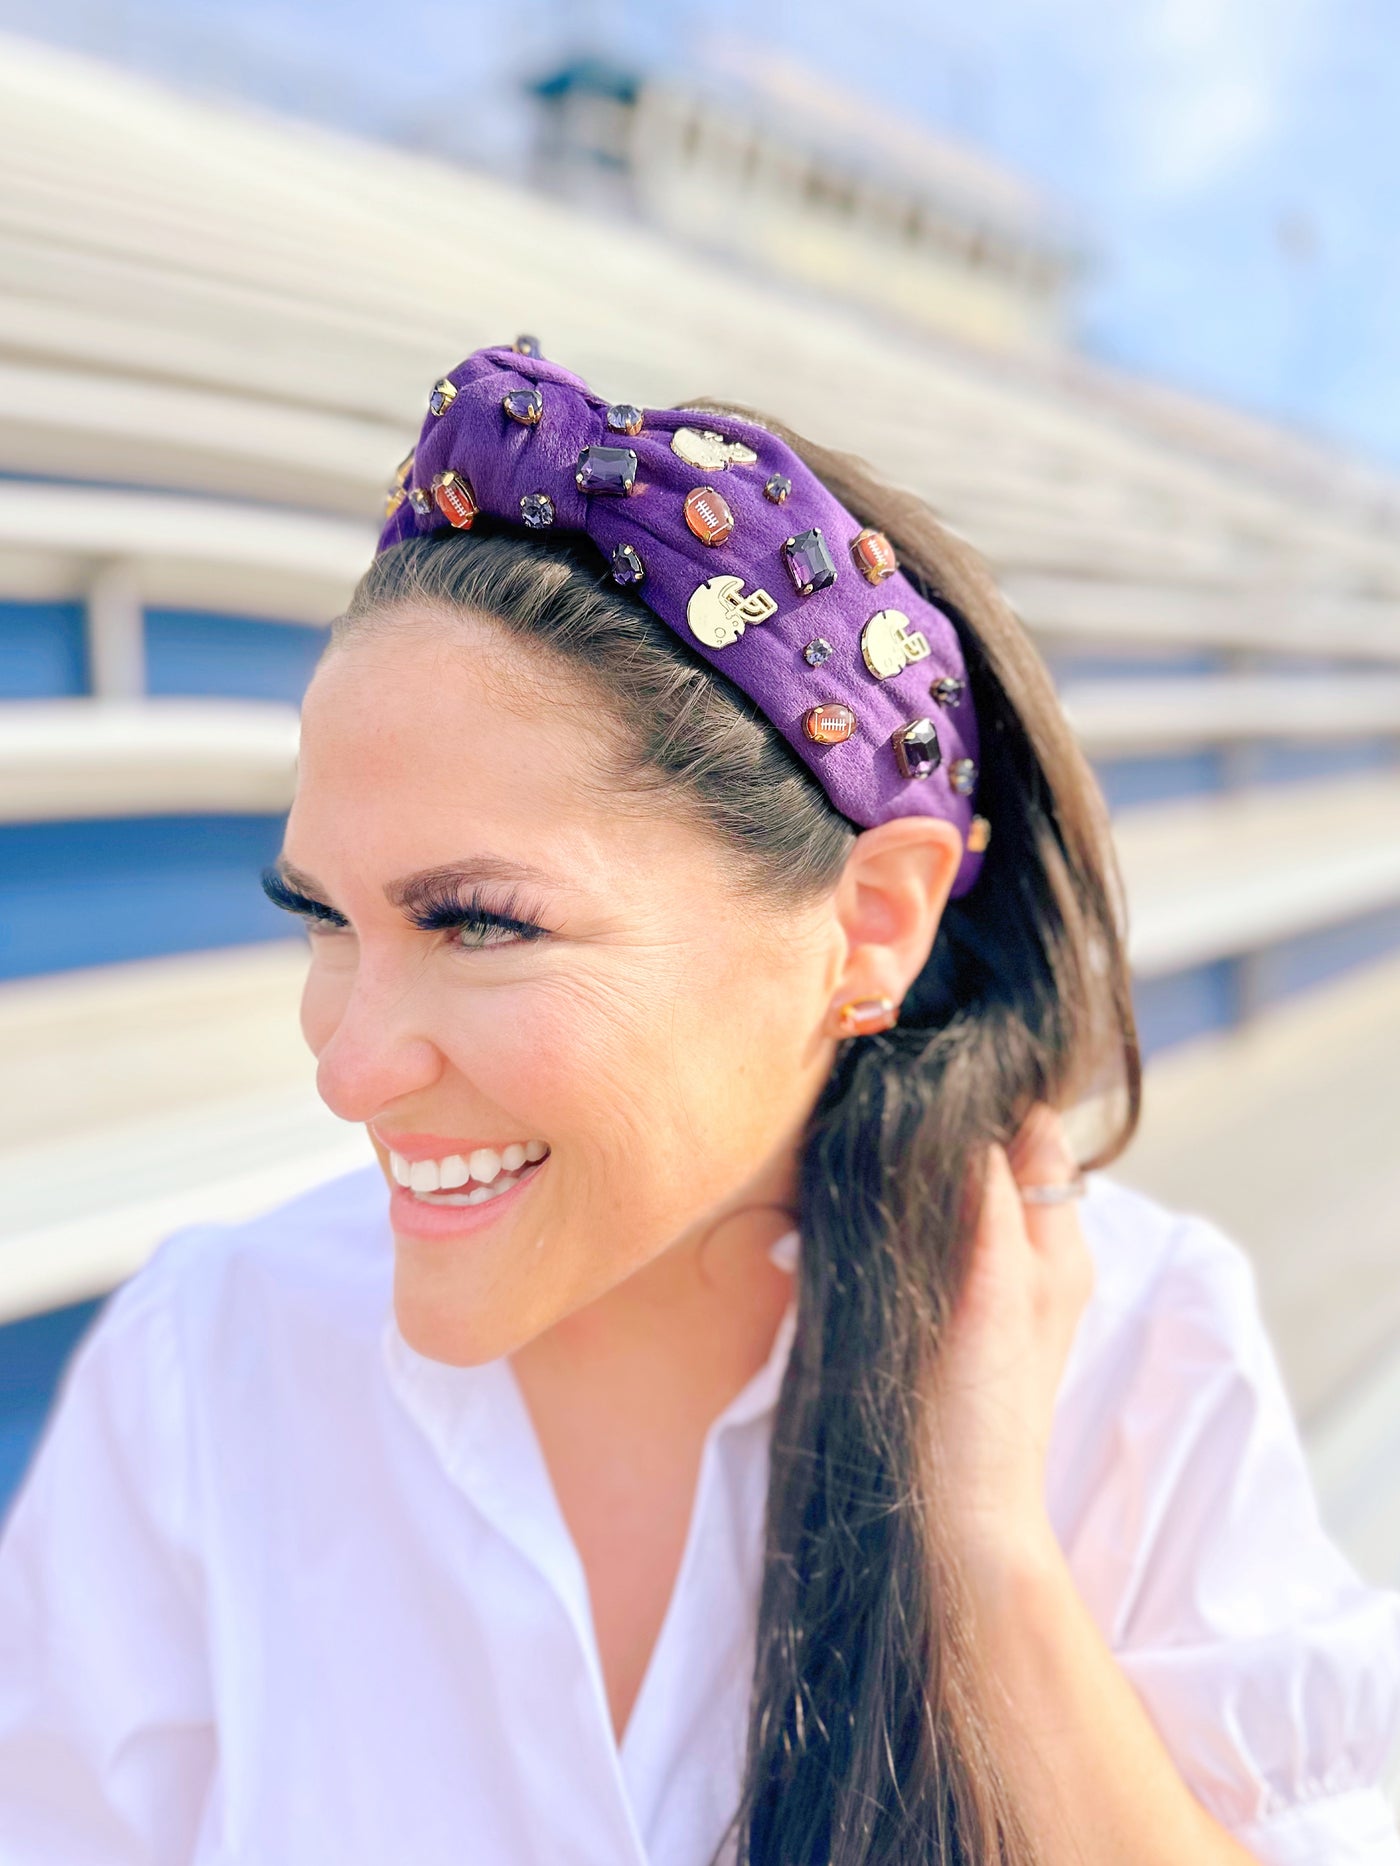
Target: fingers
{"x":1040,"y":1156}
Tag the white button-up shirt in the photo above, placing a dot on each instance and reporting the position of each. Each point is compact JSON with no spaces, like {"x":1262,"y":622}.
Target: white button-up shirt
{"x":280,"y":1591}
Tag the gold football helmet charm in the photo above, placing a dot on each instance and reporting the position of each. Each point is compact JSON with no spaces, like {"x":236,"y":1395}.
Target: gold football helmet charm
{"x":718,"y":613}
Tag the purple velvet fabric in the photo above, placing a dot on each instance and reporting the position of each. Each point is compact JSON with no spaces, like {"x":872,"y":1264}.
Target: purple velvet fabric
{"x":503,"y":460}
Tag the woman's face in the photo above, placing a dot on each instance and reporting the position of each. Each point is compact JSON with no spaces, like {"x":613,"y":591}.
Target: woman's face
{"x":643,"y":1048}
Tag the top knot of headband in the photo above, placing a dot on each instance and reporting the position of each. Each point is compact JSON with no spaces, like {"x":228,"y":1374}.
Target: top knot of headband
{"x":734,"y":543}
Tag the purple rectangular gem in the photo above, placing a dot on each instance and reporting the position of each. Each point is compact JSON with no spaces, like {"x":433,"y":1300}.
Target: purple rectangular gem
{"x":809,"y":562}
{"x":606,"y":469}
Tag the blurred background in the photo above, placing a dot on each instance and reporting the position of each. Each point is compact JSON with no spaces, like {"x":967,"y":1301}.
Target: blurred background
{"x":1113,"y":288}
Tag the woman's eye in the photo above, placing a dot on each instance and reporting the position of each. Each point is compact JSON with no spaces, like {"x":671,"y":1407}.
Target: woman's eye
{"x":318,"y":928}
{"x":472,"y":935}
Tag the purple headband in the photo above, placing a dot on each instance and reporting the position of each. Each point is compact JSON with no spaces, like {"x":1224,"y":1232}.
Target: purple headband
{"x":734,"y":543}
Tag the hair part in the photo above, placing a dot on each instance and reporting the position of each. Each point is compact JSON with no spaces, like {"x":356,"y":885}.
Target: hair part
{"x":867,"y":1740}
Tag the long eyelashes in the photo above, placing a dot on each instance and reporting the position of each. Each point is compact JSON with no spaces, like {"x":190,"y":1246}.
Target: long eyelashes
{"x":450,"y":911}
{"x":446,"y":911}
{"x":291,"y":900}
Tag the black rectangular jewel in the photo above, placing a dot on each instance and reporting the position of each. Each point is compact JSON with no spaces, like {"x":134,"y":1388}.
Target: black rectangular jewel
{"x":611,"y":470}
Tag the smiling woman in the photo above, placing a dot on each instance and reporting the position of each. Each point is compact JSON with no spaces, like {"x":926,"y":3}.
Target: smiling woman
{"x":717,"y":1429}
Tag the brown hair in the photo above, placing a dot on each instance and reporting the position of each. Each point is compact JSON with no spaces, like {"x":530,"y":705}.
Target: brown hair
{"x":867,"y":1739}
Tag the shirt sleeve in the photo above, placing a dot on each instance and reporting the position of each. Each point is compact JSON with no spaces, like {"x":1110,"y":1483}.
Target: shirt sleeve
{"x":106,"y":1723}
{"x":1270,"y":1669}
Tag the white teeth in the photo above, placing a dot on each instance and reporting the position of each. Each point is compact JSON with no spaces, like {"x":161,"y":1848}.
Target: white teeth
{"x":483,"y":1168}
{"x":485,"y":1165}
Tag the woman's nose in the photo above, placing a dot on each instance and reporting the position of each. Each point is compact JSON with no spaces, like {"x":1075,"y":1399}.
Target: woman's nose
{"x":372,"y":1047}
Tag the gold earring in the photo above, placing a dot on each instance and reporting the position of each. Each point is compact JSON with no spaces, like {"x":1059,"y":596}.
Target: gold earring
{"x":862,"y":1017}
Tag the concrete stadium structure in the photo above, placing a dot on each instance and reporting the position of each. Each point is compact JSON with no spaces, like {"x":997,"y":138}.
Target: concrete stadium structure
{"x":216,"y":336}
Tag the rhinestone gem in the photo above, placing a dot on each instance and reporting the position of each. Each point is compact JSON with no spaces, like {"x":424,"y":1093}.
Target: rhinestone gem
{"x":947,"y":691}
{"x":524,"y":405}
{"x":917,"y":749}
{"x":809,"y":562}
{"x":455,"y":500}
{"x":817,"y":651}
{"x":623,"y":418}
{"x":536,"y":510}
{"x":611,"y":470}
{"x":526,"y":346}
{"x":979,"y":834}
{"x":962,"y":775}
{"x":443,"y":396}
{"x":421,"y":500}
{"x":874,"y":555}
{"x":627,"y":566}
{"x":830,"y":724}
{"x":778,"y":488}
{"x":708,"y":515}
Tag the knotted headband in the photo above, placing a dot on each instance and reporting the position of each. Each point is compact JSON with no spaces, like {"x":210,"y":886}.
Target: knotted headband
{"x":728,"y":537}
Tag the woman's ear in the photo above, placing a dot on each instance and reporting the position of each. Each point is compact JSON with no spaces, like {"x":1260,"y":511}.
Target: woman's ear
{"x":888,"y":903}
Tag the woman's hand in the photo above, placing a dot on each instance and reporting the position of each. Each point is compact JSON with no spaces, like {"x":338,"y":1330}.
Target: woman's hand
{"x":1029,"y":1279}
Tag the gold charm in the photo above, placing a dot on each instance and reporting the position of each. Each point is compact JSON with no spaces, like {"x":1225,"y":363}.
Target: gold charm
{"x":979,"y":834}
{"x":888,"y":644}
{"x":718,"y":614}
{"x":831,"y":724}
{"x":711,"y":452}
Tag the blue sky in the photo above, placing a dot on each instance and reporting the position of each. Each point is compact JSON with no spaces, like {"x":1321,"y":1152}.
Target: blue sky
{"x":1235,"y":163}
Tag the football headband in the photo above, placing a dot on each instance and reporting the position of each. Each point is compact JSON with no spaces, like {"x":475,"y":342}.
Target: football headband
{"x":727,"y":536}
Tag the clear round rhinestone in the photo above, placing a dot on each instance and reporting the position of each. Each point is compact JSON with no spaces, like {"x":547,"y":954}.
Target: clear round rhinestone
{"x":536,"y":510}
{"x":817,"y":651}
{"x":962,"y":775}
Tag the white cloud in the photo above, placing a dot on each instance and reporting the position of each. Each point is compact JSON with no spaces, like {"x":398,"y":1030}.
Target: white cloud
{"x":1212,"y":83}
